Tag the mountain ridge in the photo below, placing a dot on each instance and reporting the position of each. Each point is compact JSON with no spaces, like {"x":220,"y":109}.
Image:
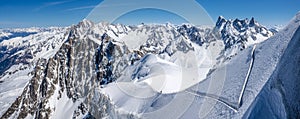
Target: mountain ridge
{"x":101,"y":52}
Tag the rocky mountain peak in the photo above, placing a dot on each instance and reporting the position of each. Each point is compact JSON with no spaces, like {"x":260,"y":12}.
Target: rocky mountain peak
{"x":253,"y":22}
{"x":86,"y":23}
{"x":221,"y":20}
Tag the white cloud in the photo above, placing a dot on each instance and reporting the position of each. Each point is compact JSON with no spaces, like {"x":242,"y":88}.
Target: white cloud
{"x":48,"y":4}
{"x":80,"y":8}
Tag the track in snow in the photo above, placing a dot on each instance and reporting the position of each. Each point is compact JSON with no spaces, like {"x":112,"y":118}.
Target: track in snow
{"x":247,"y":76}
{"x":231,"y":105}
{"x":215,"y":97}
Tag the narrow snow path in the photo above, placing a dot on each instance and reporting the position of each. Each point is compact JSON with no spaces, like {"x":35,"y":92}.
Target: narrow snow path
{"x":226,"y":102}
{"x":216,"y":98}
{"x":247,"y":76}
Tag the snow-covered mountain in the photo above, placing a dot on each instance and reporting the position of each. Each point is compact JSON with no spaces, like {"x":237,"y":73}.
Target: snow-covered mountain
{"x":117,"y":71}
{"x":239,"y":34}
{"x":6,"y":34}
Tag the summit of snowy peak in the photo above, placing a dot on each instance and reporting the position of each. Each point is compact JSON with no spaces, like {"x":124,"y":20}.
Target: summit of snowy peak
{"x":221,"y":20}
{"x":103,"y":24}
{"x":297,"y":17}
{"x":295,"y":22}
{"x":221,"y":17}
{"x":86,"y":23}
{"x":253,"y":22}
{"x":169,"y":25}
{"x":240,"y":24}
{"x":237,"y":23}
{"x":298,"y":14}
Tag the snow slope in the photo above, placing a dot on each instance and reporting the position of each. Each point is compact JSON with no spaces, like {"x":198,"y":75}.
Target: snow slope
{"x":279,"y":98}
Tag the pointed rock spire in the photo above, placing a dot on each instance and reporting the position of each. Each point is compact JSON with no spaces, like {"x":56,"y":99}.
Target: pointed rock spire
{"x":220,"y":21}
{"x":252,"y":22}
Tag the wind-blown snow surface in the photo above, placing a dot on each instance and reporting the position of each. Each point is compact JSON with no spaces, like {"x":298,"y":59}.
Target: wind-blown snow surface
{"x":100,"y":70}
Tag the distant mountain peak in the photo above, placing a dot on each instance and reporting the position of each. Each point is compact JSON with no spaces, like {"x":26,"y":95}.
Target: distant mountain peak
{"x":298,"y":14}
{"x":297,"y":17}
{"x":220,"y":21}
{"x":238,"y":34}
{"x":253,"y":22}
{"x":86,"y":23}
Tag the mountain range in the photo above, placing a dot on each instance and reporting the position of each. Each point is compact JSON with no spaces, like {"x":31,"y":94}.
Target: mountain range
{"x":235,"y":69}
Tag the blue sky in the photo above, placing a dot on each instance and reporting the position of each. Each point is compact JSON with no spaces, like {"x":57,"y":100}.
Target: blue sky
{"x":143,"y":17}
{"x":44,"y":13}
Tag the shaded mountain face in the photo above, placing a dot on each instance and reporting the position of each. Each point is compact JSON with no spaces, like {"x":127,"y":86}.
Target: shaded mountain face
{"x":66,"y":68}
